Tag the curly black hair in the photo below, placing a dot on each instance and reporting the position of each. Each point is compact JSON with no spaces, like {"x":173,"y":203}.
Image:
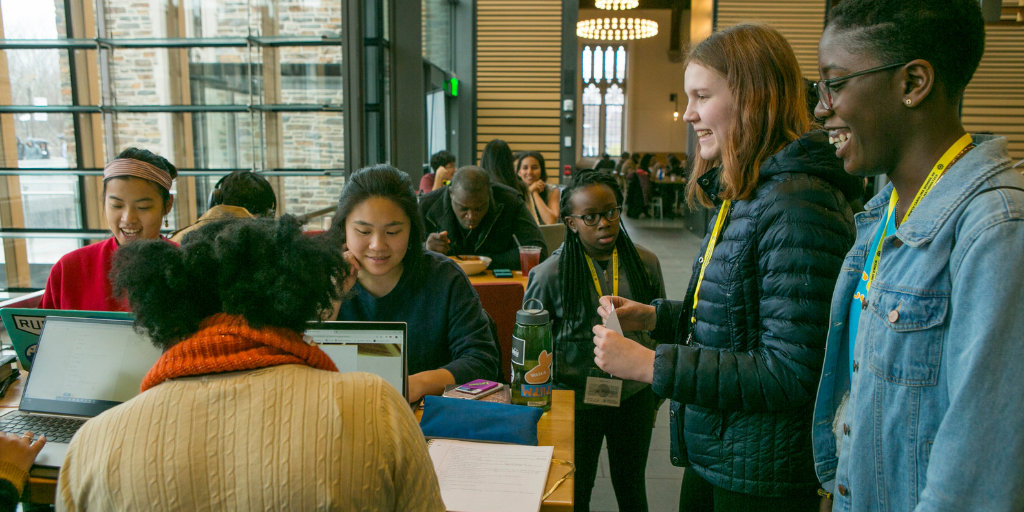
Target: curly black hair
{"x":145,"y":155}
{"x":267,"y":271}
{"x":949,"y":34}
{"x":572,"y":266}
{"x":441,"y":159}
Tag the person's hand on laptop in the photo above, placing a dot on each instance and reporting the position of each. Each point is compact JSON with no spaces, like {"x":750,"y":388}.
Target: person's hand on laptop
{"x":20,"y":451}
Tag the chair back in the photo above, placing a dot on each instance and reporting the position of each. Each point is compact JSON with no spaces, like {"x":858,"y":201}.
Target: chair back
{"x":554,"y":235}
{"x":501,"y":301}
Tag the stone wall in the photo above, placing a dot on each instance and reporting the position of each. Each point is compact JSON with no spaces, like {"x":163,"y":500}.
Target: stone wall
{"x":312,"y":140}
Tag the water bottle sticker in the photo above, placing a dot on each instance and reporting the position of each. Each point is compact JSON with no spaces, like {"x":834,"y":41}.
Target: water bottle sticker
{"x":542,"y":372}
{"x":518,"y":350}
{"x":536,"y":391}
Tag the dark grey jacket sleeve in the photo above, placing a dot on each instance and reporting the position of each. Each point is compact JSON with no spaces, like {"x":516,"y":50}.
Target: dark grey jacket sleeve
{"x":474,"y":350}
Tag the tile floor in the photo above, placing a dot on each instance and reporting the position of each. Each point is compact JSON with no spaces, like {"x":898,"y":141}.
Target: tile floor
{"x":676,"y":248}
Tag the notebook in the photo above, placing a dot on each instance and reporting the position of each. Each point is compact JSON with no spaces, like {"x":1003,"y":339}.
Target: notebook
{"x":372,"y":347}
{"x":24,"y":325}
{"x":486,"y":477}
{"x":83,"y":366}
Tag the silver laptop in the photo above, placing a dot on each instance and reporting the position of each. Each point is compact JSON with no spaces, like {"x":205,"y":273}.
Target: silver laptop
{"x":372,"y":347}
{"x":83,"y":366}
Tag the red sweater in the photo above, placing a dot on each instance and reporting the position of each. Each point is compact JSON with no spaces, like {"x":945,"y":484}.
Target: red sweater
{"x":80,"y":280}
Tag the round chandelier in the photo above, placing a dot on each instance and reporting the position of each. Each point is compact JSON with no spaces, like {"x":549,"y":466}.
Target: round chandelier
{"x":616,"y":29}
{"x":616,"y":5}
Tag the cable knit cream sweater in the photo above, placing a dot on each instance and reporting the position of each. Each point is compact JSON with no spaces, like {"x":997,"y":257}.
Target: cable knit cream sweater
{"x":287,"y":437}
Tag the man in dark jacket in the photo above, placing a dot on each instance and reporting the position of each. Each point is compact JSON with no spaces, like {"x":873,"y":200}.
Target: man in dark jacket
{"x":605,"y":164}
{"x":472,"y":216}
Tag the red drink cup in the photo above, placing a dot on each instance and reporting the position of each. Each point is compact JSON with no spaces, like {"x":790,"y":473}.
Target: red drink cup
{"x":529,"y":257}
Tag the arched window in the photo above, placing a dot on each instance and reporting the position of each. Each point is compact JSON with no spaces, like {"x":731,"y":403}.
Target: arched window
{"x":614,"y":99}
{"x":591,"y":120}
{"x":609,"y":64}
{"x":603,"y":71}
{"x":588,"y":64}
{"x":620,"y":64}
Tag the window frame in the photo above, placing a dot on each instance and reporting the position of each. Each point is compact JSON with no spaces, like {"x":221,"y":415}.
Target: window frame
{"x":92,"y":113}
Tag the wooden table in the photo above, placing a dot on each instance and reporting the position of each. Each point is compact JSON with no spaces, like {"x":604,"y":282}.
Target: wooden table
{"x":39,"y":490}
{"x":557,"y":428}
{"x":488,"y":277}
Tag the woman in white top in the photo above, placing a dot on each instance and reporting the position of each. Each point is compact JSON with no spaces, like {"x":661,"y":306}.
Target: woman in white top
{"x":542,"y":198}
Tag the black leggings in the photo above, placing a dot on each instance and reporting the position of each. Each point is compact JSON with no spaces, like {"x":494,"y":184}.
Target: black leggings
{"x":628,"y":430}
{"x":697,"y":495}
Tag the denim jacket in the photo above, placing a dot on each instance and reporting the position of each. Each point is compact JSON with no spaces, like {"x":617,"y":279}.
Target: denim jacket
{"x":934,"y":420}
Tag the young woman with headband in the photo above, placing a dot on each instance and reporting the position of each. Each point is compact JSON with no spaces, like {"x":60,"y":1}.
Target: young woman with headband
{"x":136,"y":198}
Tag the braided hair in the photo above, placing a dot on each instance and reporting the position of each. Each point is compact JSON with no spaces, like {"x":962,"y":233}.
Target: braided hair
{"x":572,"y":266}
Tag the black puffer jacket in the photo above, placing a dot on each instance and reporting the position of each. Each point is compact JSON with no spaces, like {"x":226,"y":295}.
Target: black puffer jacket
{"x":749,"y":372}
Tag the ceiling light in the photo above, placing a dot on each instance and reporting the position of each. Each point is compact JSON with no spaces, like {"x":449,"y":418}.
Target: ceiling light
{"x":616,"y":5}
{"x":616,"y":29}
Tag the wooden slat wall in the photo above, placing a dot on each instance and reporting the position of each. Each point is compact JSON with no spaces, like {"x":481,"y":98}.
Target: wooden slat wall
{"x":518,"y":76}
{"x":994,"y":101}
{"x":800,"y":21}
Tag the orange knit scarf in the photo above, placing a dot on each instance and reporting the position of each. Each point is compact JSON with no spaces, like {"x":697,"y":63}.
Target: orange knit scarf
{"x":226,"y":343}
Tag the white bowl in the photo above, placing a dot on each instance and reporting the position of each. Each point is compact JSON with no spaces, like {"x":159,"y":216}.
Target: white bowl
{"x":472,"y":265}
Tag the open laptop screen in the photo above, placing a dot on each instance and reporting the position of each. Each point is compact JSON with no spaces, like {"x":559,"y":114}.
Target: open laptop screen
{"x":85,"y":366}
{"x":372,"y":347}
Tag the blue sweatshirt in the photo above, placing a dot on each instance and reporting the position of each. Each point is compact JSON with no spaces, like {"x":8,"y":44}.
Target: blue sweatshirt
{"x":447,"y":324}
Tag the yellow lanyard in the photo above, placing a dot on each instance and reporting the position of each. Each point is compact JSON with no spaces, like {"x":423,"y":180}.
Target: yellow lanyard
{"x":948,"y":159}
{"x":723,"y":212}
{"x":615,"y":273}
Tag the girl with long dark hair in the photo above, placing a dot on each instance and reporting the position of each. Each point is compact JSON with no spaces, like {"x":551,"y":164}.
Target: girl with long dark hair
{"x":499,"y":163}
{"x":598,"y":258}
{"x":542,"y":198}
{"x":450,"y":340}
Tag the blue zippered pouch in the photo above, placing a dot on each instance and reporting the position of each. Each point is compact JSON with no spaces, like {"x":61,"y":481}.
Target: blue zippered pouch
{"x":454,"y":418}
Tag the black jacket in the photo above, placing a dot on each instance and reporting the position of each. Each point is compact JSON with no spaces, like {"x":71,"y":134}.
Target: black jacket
{"x":749,"y":373}
{"x":507,"y":215}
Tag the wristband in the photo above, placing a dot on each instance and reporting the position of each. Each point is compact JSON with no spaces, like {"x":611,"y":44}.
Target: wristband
{"x":824,"y":494}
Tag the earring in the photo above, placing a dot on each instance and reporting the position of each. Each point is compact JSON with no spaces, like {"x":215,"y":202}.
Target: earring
{"x":909,"y":102}
{"x":166,"y":223}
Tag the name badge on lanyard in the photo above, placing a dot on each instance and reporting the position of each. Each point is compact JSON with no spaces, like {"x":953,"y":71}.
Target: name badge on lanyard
{"x":600,"y":389}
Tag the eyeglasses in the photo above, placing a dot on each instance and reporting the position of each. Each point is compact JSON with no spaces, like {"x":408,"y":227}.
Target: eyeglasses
{"x":825,"y":86}
{"x":591,"y":219}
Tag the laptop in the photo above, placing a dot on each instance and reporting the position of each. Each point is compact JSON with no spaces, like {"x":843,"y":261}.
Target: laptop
{"x":83,"y":366}
{"x":24,"y":325}
{"x":372,"y":347}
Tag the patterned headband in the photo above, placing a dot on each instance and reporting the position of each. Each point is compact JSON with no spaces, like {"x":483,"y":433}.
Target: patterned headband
{"x":138,"y":169}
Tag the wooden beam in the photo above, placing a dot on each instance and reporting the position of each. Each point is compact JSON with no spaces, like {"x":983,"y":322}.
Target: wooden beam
{"x":12,"y":213}
{"x":272,"y":121}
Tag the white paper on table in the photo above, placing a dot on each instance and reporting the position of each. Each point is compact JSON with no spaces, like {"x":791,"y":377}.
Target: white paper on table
{"x":490,"y":477}
{"x":612,"y":322}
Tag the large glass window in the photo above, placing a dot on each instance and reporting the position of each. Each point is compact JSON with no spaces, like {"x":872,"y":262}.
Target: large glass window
{"x":437,"y":32}
{"x":604,"y":99}
{"x":212,"y":85}
{"x":614,"y":99}
{"x":591,"y":120}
